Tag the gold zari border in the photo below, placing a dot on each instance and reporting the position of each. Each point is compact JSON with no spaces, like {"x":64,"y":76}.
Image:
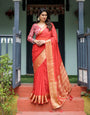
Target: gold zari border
{"x":42,"y":29}
{"x":40,"y":59}
{"x":51,"y":78}
{"x":39,"y":99}
{"x":58,"y":89}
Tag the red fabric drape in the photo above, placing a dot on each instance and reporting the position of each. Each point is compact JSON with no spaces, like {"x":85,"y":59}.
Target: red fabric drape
{"x":50,"y":77}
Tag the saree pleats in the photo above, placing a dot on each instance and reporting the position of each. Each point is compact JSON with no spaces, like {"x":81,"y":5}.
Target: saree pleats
{"x":40,"y":93}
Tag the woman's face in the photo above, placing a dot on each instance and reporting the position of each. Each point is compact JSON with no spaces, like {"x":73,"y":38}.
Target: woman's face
{"x":43,"y":16}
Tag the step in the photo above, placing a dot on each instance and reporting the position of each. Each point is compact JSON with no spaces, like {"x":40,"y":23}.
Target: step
{"x":25,"y":89}
{"x":53,"y":113}
{"x":76,"y":104}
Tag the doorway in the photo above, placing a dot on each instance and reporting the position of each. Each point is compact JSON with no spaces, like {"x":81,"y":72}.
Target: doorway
{"x":56,"y":19}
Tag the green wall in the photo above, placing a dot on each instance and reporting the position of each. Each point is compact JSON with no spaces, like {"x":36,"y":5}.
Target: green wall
{"x":87,"y":14}
{"x":6,"y":27}
{"x":71,"y":26}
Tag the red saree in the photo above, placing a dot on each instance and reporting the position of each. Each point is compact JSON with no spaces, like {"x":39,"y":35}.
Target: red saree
{"x":50,"y":77}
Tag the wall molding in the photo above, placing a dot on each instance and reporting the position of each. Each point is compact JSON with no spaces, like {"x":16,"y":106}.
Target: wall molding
{"x":17,"y":0}
{"x":80,"y":0}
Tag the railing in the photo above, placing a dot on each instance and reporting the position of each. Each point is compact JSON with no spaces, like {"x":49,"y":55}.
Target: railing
{"x":83,"y":59}
{"x":6,"y":44}
{"x":11,"y":45}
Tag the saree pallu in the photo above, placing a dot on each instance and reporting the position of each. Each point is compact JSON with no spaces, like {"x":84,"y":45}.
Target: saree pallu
{"x":50,"y":78}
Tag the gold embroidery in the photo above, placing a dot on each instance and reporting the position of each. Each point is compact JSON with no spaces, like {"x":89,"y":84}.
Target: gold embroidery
{"x":39,"y":99}
{"x":50,"y":66}
{"x":31,"y":95}
{"x":50,"y":70}
{"x":53,"y":94}
{"x":58,"y":90}
{"x":46,"y":100}
{"x":42,"y":99}
{"x":61,"y":88}
{"x":35,"y":99}
{"x":64,"y":85}
{"x":40,"y":59}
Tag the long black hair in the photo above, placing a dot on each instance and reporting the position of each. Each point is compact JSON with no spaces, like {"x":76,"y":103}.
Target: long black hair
{"x":48,"y":22}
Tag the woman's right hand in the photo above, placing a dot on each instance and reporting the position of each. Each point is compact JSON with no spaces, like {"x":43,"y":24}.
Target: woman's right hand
{"x":36,"y":42}
{"x":39,"y":42}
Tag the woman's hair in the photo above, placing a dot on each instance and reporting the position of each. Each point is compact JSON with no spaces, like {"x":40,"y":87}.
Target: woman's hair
{"x":48,"y":22}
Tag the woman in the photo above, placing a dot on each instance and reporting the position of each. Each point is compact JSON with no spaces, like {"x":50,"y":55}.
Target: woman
{"x":50,"y":78}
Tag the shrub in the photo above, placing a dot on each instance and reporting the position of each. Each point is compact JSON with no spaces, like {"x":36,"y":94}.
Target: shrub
{"x":6,"y":91}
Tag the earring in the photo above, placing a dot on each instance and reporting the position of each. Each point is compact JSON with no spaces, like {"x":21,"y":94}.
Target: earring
{"x":38,"y":19}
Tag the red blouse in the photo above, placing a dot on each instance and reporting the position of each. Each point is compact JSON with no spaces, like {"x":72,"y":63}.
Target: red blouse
{"x":34,"y":30}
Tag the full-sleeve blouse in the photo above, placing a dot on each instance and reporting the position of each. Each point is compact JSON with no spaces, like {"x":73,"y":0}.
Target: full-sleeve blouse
{"x":34,"y":30}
